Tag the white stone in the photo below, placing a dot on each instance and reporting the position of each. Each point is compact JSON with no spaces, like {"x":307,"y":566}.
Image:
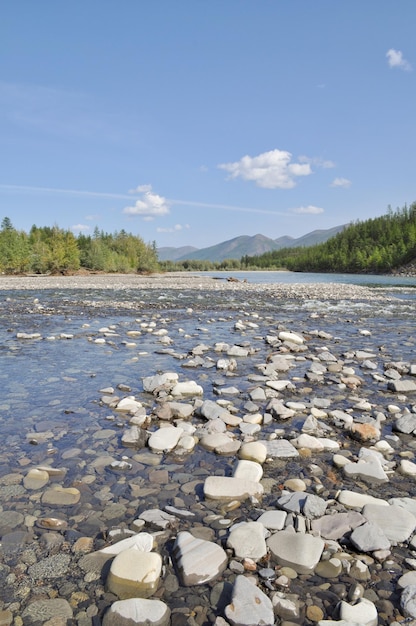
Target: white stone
{"x":354,"y":500}
{"x":297,"y":550}
{"x":291,"y":337}
{"x":137,"y":612}
{"x":363,"y":612}
{"x":273,"y":520}
{"x":134,"y":573}
{"x":249,"y":605}
{"x":248,"y":470}
{"x":141,"y":541}
{"x":396,"y":523}
{"x":229,"y":488}
{"x":198,"y":561}
{"x":187,"y":388}
{"x":165,"y":439}
{"x":247,"y":541}
{"x":253,"y":451}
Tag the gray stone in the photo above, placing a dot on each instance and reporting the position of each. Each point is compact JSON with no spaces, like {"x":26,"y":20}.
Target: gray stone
{"x":297,"y":550}
{"x":280,"y":448}
{"x":369,"y":537}
{"x":56,"y":608}
{"x":396,"y":523}
{"x":402,"y":386}
{"x":408,"y":601}
{"x":273,"y":520}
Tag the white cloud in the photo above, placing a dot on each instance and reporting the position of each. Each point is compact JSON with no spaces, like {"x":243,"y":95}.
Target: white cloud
{"x":317,"y":162}
{"x":80,"y":227}
{"x":174,"y":229}
{"x":395,"y":59}
{"x":270,"y":170}
{"x":141,"y":189}
{"x":308,"y":210}
{"x":150,"y":205}
{"x":341,"y":182}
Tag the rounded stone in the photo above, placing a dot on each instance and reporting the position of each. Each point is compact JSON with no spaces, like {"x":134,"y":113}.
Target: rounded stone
{"x":314,"y":613}
{"x":134,"y":574}
{"x":137,"y":612}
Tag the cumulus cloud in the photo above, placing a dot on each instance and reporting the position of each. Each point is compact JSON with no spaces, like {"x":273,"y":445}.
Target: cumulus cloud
{"x":270,"y":170}
{"x":174,"y":229}
{"x":79,"y":228}
{"x":308,"y":210}
{"x":395,"y":58}
{"x":149,"y":206}
{"x":341,"y":182}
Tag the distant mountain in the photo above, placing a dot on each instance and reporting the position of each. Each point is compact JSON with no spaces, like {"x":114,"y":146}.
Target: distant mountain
{"x":173,"y":254}
{"x":245,"y":245}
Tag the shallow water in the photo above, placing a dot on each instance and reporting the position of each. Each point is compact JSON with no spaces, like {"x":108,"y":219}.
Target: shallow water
{"x":51,"y":411}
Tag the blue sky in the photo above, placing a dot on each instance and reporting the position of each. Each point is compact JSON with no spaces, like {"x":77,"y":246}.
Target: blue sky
{"x":190,"y":122}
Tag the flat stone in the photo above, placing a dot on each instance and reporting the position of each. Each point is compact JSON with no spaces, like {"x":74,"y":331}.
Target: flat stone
{"x":369,"y":537}
{"x":248,"y":470}
{"x":165,"y":439}
{"x":369,"y":471}
{"x":297,"y":550}
{"x":396,"y":523}
{"x":151,"y":383}
{"x":198,"y":561}
{"x":41,"y":610}
{"x":134,"y":574}
{"x":35,"y":479}
{"x":249,"y":605}
{"x":363,"y":612}
{"x":291,"y":337}
{"x":280,"y":449}
{"x":335,"y":526}
{"x":273,"y":520}
{"x":187,"y":388}
{"x":247,"y":541}
{"x":61,"y":496}
{"x":401,"y":386}
{"x":141,"y":541}
{"x":137,"y":612}
{"x":228,"y":488}
{"x":354,"y":500}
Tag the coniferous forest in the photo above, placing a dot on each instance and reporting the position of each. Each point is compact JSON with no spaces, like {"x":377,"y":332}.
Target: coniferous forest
{"x":379,"y":245}
{"x":54,"y":250}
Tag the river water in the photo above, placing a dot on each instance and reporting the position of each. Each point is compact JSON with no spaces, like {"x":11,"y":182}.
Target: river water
{"x":60,"y":348}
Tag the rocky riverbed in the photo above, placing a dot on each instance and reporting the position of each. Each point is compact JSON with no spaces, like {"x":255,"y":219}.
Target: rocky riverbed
{"x":185,"y":451}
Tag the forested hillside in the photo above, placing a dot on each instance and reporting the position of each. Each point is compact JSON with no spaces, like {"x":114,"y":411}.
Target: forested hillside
{"x":54,"y":250}
{"x":378,"y":245}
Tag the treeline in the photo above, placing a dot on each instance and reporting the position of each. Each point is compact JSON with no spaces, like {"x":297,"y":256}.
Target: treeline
{"x":377,"y":246}
{"x":199,"y":265}
{"x":53,"y":250}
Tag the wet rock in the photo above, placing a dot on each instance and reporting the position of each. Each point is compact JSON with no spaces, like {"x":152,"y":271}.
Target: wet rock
{"x":61,"y":496}
{"x":53,"y":609}
{"x":35,"y":479}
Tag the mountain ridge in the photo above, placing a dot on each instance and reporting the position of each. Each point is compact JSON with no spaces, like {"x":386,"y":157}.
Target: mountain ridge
{"x":250,"y":245}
